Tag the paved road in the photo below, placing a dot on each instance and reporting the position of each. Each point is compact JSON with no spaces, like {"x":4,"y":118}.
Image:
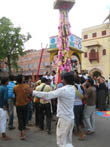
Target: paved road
{"x":36,"y":138}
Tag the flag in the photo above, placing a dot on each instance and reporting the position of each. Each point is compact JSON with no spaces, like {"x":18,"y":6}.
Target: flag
{"x":37,"y":76}
{"x":108,"y":17}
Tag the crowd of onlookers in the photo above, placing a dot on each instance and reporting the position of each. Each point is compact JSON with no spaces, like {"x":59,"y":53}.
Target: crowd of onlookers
{"x":91,"y":93}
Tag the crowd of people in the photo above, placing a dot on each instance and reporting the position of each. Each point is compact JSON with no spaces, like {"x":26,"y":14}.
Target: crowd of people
{"x":72,"y":103}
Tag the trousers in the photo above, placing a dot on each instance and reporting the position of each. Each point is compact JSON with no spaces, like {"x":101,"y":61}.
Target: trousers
{"x":89,"y":117}
{"x":11,"y":111}
{"x":22,"y":116}
{"x":45,"y":109}
{"x":37,"y":114}
{"x":64,"y":132}
{"x":3,"y":118}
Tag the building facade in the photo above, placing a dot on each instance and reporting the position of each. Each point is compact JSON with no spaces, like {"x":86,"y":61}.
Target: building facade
{"x":29,"y":63}
{"x":96,"y":47}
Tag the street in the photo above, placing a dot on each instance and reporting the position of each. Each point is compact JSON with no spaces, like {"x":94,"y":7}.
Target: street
{"x":37,"y":138}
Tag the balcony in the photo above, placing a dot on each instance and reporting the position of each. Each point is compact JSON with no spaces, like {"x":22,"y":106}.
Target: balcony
{"x":93,"y":56}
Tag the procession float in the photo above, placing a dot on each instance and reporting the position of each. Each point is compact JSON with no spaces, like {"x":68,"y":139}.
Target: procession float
{"x":66,"y":44}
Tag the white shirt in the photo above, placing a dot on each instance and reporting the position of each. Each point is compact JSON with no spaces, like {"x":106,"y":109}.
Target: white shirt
{"x":66,"y":98}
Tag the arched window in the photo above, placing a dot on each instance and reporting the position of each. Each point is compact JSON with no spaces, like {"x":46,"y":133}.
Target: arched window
{"x":104,"y":52}
{"x":92,"y":53}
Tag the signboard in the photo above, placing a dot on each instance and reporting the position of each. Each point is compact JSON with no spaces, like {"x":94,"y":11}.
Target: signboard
{"x":54,"y":42}
{"x":74,"y":41}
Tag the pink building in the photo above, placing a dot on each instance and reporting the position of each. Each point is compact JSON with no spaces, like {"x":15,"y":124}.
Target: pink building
{"x":29,"y":63}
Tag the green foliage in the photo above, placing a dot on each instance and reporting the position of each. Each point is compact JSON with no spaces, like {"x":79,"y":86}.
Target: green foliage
{"x":11,"y":43}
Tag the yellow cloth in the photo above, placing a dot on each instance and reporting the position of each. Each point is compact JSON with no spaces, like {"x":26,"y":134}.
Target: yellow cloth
{"x":78,"y":93}
{"x":47,"y":88}
{"x":38,"y":82}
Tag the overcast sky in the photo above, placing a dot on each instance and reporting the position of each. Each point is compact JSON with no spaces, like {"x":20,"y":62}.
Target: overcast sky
{"x":40,"y":19}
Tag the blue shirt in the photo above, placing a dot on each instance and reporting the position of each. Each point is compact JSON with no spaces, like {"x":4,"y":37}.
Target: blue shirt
{"x":10,"y":86}
{"x":3,"y":95}
{"x":60,"y":85}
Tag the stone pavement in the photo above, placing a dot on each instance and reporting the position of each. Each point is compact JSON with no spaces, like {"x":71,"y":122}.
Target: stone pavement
{"x":37,"y":138}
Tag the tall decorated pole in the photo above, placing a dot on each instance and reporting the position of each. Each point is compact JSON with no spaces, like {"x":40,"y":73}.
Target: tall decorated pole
{"x":63,"y":60}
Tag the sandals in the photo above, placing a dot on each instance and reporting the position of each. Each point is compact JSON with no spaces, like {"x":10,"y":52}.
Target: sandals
{"x":82,"y":137}
{"x":6,"y":138}
{"x":90,"y":132}
{"x":22,"y":138}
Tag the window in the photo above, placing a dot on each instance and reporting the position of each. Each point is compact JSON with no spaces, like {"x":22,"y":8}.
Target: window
{"x":21,"y":66}
{"x":104,"y":52}
{"x":42,"y":64}
{"x":30,"y":66}
{"x":85,"y":54}
{"x":94,"y":35}
{"x":35,"y":65}
{"x":26,"y":66}
{"x":93,"y":55}
{"x":85,"y":36}
{"x":103,"y":33}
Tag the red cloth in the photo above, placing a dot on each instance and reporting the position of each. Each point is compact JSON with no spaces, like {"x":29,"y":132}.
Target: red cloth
{"x":59,"y":77}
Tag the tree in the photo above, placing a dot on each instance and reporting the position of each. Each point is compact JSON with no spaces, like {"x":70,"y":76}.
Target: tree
{"x":11,"y":43}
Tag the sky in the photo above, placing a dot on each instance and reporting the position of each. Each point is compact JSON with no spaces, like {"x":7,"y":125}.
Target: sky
{"x":40,"y":19}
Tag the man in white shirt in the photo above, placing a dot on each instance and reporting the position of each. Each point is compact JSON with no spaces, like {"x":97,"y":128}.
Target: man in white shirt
{"x":66,"y":98}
